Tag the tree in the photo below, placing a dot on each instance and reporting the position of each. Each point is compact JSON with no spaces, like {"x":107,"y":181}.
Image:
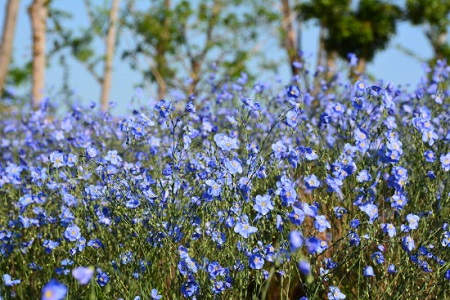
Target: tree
{"x":434,"y":15}
{"x":38,"y":14}
{"x":9,"y":26}
{"x":180,"y":41}
{"x":327,"y":13}
{"x":289,"y":35}
{"x":103,"y":24}
{"x":110,"y":46}
{"x":363,"y":31}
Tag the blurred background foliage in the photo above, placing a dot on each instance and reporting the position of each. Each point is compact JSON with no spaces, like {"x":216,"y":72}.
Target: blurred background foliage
{"x":176,"y":43}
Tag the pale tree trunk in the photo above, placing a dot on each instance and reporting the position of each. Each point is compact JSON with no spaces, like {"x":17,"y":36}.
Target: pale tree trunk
{"x":9,"y":26}
{"x":290,"y":39}
{"x":38,"y":14}
{"x":361,"y":66}
{"x":357,"y":71}
{"x":110,"y":45}
{"x":331,"y":64}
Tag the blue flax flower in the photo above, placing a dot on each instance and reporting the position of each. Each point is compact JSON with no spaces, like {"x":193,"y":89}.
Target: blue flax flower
{"x":335,"y":293}
{"x":244,"y":228}
{"x":256,"y":261}
{"x":9,"y":281}
{"x":389,"y":229}
{"x":164,"y":108}
{"x":225,"y":142}
{"x":305,"y":267}
{"x":445,"y":161}
{"x":72,"y":233}
{"x":54,"y":290}
{"x":408,"y":243}
{"x":321,"y":223}
{"x":155,"y":295}
{"x":83,"y":274}
{"x":102,"y":277}
{"x":296,"y":240}
{"x":311,"y":182}
{"x":57,"y":158}
{"x":263,"y":204}
{"x":368,"y":272}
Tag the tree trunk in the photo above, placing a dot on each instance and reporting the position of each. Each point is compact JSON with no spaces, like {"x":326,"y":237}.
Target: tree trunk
{"x":331,"y":64}
{"x":361,"y":66}
{"x":290,"y":39}
{"x":38,"y":15}
{"x":110,"y":45}
{"x":9,"y":26}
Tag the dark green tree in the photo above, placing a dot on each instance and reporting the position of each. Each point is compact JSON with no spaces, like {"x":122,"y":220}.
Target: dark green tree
{"x":180,"y":40}
{"x":435,"y":17}
{"x":363,"y":30}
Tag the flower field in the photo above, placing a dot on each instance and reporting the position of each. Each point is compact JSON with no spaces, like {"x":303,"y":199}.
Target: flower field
{"x":250,"y":192}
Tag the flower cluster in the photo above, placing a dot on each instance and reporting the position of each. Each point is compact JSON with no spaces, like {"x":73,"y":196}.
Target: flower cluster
{"x":253,"y":190}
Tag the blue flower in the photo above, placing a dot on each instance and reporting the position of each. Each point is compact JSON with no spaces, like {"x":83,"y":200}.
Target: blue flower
{"x":234,"y":166}
{"x":296,"y":240}
{"x":445,"y":242}
{"x":311,"y":182}
{"x":292,"y":118}
{"x":102,"y":277}
{"x":219,"y":286}
{"x":339,"y":211}
{"x":389,"y":229}
{"x":190,"y":288}
{"x":72,"y":233}
{"x":430,"y":156}
{"x":297,"y":216}
{"x":49,"y":245}
{"x":164,"y":108}
{"x":155,"y":295}
{"x":429,"y":137}
{"x":371,"y":210}
{"x":57,"y":158}
{"x":54,"y":290}
{"x":214,"y":189}
{"x":408,"y":243}
{"x":335,"y":293}
{"x":391,"y":269}
{"x":95,"y":243}
{"x":413,"y":221}
{"x":321,"y":223}
{"x":445,"y":161}
{"x":9,"y":281}
{"x":368,"y":272}
{"x":313,"y":245}
{"x":256,"y":261}
{"x":279,"y":150}
{"x":244,"y":228}
{"x":354,"y":239}
{"x":293,"y":91}
{"x":83,"y":274}
{"x":305,"y":267}
{"x":334,"y":185}
{"x":263,"y":204}
{"x":113,"y":157}
{"x":310,"y":154}
{"x":225,"y":142}
{"x":363,"y":176}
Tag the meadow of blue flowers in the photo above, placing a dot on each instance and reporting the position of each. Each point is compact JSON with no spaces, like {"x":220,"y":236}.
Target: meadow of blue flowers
{"x":251,"y":192}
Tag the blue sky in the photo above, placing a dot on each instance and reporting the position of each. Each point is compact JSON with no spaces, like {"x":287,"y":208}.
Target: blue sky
{"x":391,"y":64}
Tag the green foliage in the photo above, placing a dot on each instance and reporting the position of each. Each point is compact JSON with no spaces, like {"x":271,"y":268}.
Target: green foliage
{"x":195,"y":35}
{"x":435,"y":16}
{"x":363,"y":31}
